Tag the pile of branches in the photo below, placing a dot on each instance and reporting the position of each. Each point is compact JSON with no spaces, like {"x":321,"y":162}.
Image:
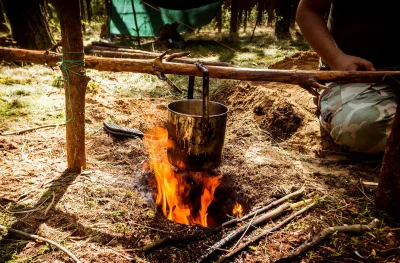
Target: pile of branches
{"x":254,"y":220}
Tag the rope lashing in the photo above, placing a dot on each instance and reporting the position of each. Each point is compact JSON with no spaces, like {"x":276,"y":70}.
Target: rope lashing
{"x":68,"y":65}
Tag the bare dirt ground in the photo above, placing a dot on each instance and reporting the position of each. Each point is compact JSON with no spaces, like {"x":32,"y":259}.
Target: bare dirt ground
{"x":273,"y":146}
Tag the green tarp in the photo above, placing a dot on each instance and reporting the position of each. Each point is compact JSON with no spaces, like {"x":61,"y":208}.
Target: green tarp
{"x":128,"y":15}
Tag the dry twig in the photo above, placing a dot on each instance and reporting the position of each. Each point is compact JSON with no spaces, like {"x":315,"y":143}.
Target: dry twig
{"x":326,"y":232}
{"x":34,"y":128}
{"x":170,"y":239}
{"x":51,"y":204}
{"x":38,"y":208}
{"x":265,"y":232}
{"x":265,"y":208}
{"x":257,"y":222}
{"x":161,"y":76}
{"x":36,"y":237}
{"x":177,"y":55}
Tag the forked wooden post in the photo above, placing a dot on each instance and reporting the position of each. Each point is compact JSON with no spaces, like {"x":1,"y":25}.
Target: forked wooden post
{"x":75,"y":82}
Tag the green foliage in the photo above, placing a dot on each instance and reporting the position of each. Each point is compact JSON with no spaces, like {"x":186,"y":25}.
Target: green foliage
{"x":93,"y":86}
{"x":4,"y":220}
{"x":44,"y":249}
{"x":122,"y":228}
{"x":98,"y":10}
{"x":15,"y":104}
{"x":7,"y":80}
{"x":53,"y":21}
{"x":15,"y":107}
{"x":22,"y":92}
{"x":58,"y":82}
{"x":7,"y":252}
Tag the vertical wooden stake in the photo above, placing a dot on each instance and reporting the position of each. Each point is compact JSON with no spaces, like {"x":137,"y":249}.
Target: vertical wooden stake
{"x":75,"y":82}
{"x":388,"y":192}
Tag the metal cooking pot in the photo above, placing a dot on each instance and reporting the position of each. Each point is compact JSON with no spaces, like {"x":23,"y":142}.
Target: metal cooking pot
{"x":196,"y":130}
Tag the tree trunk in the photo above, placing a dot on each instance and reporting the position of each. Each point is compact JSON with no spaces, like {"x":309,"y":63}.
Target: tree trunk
{"x":89,"y":10}
{"x":260,"y":11}
{"x":75,"y":82}
{"x":388,"y":192}
{"x":3,"y":21}
{"x":83,"y":16}
{"x":105,"y":28}
{"x":283,"y":14}
{"x":246,"y":15}
{"x":218,"y":18}
{"x":240,"y":14}
{"x":82,"y":9}
{"x":234,"y":17}
{"x":271,"y":4}
{"x":28,"y":23}
{"x":293,"y":13}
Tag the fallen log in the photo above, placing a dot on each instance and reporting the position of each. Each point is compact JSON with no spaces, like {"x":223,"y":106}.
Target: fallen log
{"x":118,"y":54}
{"x":323,"y":234}
{"x":104,"y":44}
{"x":133,"y":55}
{"x":299,"y":77}
{"x":120,"y":49}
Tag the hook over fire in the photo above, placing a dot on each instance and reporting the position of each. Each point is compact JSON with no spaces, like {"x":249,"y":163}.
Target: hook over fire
{"x":184,"y":197}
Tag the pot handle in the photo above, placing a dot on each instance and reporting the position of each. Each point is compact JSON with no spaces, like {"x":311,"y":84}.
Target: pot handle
{"x":206,"y":99}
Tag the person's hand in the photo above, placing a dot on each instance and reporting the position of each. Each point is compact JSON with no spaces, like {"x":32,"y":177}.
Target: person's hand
{"x":351,"y":63}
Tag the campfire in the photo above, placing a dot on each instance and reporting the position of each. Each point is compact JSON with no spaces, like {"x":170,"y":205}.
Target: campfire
{"x":237,"y":210}
{"x":183,"y":197}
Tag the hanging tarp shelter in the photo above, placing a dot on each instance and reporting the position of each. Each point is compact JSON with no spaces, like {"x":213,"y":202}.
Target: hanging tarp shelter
{"x":140,"y":18}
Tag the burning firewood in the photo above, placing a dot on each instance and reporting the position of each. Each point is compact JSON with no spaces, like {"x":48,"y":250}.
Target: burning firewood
{"x":232,"y":222}
{"x":256,"y":222}
{"x":265,"y":208}
{"x":265,"y":232}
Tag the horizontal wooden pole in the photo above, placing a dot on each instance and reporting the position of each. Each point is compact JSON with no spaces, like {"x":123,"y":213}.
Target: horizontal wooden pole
{"x":134,"y":54}
{"x":151,"y":66}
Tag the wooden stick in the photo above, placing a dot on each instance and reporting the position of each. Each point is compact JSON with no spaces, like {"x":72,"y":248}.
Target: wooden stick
{"x":169,"y":82}
{"x":104,"y":44}
{"x":326,"y":232}
{"x":32,"y":129}
{"x":265,"y":232}
{"x":119,"y":49}
{"x":170,"y":239}
{"x":51,"y":204}
{"x":259,"y":221}
{"x":266,"y":208}
{"x":55,"y":46}
{"x":36,"y":237}
{"x":238,"y":73}
{"x":38,"y":208}
{"x":177,"y":55}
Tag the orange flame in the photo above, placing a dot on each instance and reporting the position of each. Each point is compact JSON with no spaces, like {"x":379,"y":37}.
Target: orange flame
{"x":237,"y":210}
{"x":173,"y":190}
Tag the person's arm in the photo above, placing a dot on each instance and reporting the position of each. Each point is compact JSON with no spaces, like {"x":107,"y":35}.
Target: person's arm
{"x":310,"y":18}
